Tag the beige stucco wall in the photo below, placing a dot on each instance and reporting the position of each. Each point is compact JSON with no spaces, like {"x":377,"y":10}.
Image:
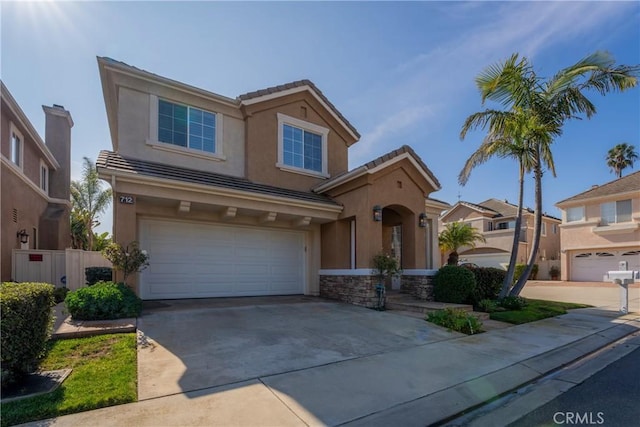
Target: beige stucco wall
{"x":262,"y":141}
{"x":27,"y":199}
{"x":137,"y":131}
{"x":399,"y":187}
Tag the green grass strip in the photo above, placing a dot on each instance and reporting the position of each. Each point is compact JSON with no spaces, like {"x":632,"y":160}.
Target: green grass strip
{"x":535,"y":310}
{"x":104,"y":374}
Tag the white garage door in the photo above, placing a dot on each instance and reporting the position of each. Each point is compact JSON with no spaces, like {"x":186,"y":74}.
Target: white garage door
{"x":591,"y":266}
{"x":195,"y":260}
{"x":487,"y":260}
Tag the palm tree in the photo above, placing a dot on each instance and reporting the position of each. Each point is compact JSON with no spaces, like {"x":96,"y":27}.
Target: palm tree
{"x":548,"y":104}
{"x":620,"y":157}
{"x":88,"y":199}
{"x":454,"y":236}
{"x":508,"y":136}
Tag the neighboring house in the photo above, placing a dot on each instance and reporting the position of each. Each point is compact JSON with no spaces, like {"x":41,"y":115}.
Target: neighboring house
{"x":495,"y":219}
{"x":35,"y":181}
{"x":253,"y":196}
{"x":600,"y":228}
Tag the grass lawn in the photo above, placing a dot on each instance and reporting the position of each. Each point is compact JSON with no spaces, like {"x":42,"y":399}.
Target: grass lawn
{"x":104,"y":374}
{"x":535,"y":310}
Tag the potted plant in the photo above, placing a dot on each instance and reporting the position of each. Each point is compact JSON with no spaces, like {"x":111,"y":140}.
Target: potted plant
{"x":384,"y":266}
{"x":554,"y":272}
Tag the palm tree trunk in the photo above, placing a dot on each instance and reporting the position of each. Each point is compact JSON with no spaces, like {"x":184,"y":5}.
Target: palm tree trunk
{"x":522,"y":280}
{"x":508,"y":279}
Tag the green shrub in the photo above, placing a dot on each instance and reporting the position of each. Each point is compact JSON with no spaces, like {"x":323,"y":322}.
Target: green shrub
{"x":94,"y":275}
{"x":104,"y":300}
{"x":456,"y":320}
{"x":25,"y":325}
{"x":513,"y":303}
{"x":488,"y":282}
{"x":520,"y":269}
{"x":59,"y":294}
{"x":488,"y":305}
{"x":454,"y":284}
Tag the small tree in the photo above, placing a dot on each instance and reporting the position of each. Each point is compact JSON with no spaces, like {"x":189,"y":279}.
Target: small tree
{"x":385,"y":266}
{"x":129,"y":260}
{"x":454,"y":236}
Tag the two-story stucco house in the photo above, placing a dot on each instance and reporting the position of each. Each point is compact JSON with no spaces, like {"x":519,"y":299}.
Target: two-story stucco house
{"x":600,"y":228}
{"x":252,"y":195}
{"x":35,"y":181}
{"x":495,"y":220}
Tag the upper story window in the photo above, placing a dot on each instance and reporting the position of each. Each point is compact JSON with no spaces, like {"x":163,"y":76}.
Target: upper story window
{"x":302,"y":146}
{"x":505,"y":225}
{"x":44,"y":177}
{"x":554,"y":228}
{"x":575,"y":213}
{"x":186,"y":126}
{"x":543,"y":228}
{"x":17,"y":147}
{"x":614,"y":212}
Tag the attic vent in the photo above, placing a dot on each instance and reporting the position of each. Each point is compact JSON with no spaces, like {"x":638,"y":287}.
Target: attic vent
{"x":15,"y":215}
{"x":303,"y":112}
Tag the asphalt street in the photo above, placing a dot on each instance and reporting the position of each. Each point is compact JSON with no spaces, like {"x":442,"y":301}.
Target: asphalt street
{"x":609,"y":398}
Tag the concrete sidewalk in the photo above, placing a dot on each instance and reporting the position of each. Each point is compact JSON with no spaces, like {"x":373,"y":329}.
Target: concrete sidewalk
{"x":414,"y":386}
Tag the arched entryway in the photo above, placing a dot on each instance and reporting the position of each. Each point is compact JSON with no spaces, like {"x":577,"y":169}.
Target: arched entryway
{"x":398,"y":237}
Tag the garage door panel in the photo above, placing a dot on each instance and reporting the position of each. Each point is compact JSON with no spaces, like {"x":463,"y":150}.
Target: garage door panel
{"x":592,"y":266}
{"x":210,"y":260}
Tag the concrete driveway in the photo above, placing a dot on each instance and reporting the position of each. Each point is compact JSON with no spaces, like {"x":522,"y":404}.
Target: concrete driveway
{"x":192,"y":345}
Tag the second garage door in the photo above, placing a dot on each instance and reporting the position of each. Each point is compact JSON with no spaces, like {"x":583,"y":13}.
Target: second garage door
{"x":592,"y":266}
{"x":195,"y":260}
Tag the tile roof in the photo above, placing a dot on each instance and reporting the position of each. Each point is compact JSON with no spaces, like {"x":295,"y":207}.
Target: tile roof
{"x":114,"y":161}
{"x":625,"y":184}
{"x":395,"y":153}
{"x":499,"y":208}
{"x":292,"y":85}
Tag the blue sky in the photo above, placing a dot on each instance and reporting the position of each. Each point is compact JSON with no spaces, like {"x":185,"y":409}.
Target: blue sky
{"x":401,"y":72}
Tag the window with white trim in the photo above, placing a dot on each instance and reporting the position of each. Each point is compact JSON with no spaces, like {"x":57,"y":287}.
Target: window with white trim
{"x":44,"y":177}
{"x":615,"y":212}
{"x":186,"y":126}
{"x":554,"y":228}
{"x":17,"y":147}
{"x":575,"y":214}
{"x":544,"y":228}
{"x":302,"y":146}
{"x":506,"y":225}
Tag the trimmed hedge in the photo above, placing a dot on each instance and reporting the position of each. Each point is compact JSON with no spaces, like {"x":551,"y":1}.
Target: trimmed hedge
{"x":488,"y":282}
{"x":94,"y":275}
{"x":454,"y":284}
{"x":26,"y":323}
{"x":102,"y":301}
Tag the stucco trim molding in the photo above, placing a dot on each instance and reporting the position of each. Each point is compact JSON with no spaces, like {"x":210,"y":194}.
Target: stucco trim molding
{"x":616,"y":228}
{"x":346,"y":272}
{"x":19,"y":173}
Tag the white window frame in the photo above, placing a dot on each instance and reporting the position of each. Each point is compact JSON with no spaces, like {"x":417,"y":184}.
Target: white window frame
{"x":575,"y":209}
{"x":543,"y":228}
{"x":283,"y":119}
{"x":44,"y":177}
{"x":155,"y":142}
{"x":554,"y":228}
{"x":13,"y":131}
{"x":615,"y":212}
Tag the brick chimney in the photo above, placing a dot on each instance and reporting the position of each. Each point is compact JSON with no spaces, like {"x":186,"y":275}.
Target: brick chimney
{"x":58,"y":124}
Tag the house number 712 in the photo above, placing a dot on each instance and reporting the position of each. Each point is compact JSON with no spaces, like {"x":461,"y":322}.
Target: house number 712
{"x":128,"y":200}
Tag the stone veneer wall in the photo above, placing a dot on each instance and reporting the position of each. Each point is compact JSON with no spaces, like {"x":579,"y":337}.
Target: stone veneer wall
{"x":361,"y":289}
{"x":357,"y":290}
{"x":420,"y":287}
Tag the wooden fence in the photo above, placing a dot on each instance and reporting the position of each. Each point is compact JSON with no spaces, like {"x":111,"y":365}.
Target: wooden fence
{"x":60,"y":268}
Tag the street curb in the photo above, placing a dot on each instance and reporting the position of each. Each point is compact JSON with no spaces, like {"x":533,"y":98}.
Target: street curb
{"x":443,"y":406}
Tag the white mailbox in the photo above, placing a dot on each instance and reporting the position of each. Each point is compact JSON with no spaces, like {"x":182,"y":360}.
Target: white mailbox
{"x":623,"y":278}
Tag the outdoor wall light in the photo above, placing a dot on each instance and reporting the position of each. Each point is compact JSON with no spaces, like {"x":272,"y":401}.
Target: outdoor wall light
{"x":377,"y":213}
{"x":23,"y":236}
{"x":422,"y":220}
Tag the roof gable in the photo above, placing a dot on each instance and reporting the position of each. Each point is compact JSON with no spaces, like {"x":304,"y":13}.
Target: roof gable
{"x":386,"y":160}
{"x":279,"y":91}
{"x":626,"y":184}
